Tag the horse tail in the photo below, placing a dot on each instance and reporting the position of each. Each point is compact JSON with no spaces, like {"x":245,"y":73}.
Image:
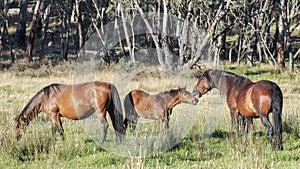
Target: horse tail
{"x":277,"y":102}
{"x":127,"y":106}
{"x":117,"y":114}
{"x":30,"y":111}
{"x":131,"y":115}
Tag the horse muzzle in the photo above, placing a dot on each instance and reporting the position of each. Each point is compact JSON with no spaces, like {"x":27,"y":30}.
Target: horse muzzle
{"x":195,"y":101}
{"x":196,"y":93}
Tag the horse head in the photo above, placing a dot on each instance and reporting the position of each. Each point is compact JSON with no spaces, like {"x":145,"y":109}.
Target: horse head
{"x":186,"y":97}
{"x":204,"y":84}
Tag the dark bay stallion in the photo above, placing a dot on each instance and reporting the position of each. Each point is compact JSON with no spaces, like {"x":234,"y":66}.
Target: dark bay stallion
{"x":247,"y":99}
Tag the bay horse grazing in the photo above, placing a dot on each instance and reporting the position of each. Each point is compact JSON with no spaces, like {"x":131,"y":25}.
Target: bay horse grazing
{"x":75,"y":102}
{"x":248,"y":99}
{"x":138,"y":103}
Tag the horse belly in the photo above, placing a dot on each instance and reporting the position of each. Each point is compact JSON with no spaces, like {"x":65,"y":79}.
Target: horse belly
{"x":248,"y":112}
{"x":75,"y":112}
{"x":149,"y":112}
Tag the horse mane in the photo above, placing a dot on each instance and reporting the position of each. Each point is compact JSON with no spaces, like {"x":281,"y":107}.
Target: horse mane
{"x":219,"y":73}
{"x":207,"y":76}
{"x":55,"y":87}
{"x":170,"y":93}
{"x":33,"y":107}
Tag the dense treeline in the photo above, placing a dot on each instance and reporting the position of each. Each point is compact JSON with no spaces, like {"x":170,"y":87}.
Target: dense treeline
{"x":236,"y":31}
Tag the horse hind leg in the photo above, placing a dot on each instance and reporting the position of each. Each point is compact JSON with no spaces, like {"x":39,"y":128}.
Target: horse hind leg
{"x":133,"y":120}
{"x":266,"y":122}
{"x":61,"y":129}
{"x":133,"y":124}
{"x":235,"y":119}
{"x":104,"y":131}
{"x":104,"y":125}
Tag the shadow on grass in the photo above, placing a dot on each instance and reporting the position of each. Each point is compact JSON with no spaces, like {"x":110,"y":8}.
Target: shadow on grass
{"x":291,"y":129}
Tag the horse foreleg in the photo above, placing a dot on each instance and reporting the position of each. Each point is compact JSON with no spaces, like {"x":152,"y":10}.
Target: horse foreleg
{"x":234,"y":119}
{"x":265,"y":121}
{"x":169,"y":112}
{"x":54,"y":129}
{"x":166,"y":122}
{"x":57,"y":125}
{"x":60,"y":129}
{"x":161,"y":123}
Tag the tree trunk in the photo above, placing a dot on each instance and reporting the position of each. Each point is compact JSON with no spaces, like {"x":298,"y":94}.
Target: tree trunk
{"x":206,"y":40}
{"x":46,"y":26}
{"x":20,"y":34}
{"x":5,"y":34}
{"x":63,"y":52}
{"x":101,"y":13}
{"x":117,"y":27}
{"x":129,"y":44}
{"x":66,"y":19}
{"x":153,"y":36}
{"x":288,"y":50}
{"x":33,"y":31}
{"x":5,"y":37}
{"x":165,"y":44}
{"x":281,"y":43}
{"x":240,"y":46}
{"x":79,"y":25}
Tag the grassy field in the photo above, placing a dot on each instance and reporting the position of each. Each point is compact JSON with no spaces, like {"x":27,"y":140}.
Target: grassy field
{"x":219,"y":150}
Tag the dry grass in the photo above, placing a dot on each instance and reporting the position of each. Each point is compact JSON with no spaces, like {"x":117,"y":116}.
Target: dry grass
{"x":219,"y":150}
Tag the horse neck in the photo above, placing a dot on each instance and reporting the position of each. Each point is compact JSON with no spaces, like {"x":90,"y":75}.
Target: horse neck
{"x":31,"y":110}
{"x":172,"y":101}
{"x":228,"y":82}
{"x":225,"y":83}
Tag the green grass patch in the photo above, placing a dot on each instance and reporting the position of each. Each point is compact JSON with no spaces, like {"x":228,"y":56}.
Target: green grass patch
{"x":221,"y":149}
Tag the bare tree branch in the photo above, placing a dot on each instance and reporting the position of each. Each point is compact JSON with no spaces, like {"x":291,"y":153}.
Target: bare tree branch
{"x":154,"y":37}
{"x":206,"y":41}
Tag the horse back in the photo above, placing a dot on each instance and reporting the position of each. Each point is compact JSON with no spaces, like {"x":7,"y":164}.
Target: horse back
{"x":148,"y":105}
{"x":74,"y":101}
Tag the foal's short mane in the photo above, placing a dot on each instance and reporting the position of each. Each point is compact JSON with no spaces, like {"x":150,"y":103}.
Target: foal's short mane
{"x":171,"y":93}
